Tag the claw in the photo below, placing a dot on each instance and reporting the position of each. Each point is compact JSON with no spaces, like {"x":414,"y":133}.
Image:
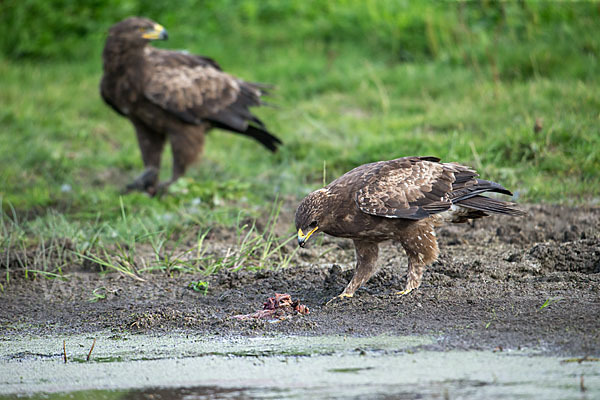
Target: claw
{"x":146,"y":182}
{"x":404,"y":292}
{"x":340,"y":297}
{"x":163,"y":188}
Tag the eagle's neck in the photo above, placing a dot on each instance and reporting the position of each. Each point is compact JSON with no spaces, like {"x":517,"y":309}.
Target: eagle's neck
{"x":121,"y":57}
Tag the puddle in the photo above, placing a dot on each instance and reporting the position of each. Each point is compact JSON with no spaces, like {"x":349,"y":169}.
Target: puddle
{"x":199,"y":367}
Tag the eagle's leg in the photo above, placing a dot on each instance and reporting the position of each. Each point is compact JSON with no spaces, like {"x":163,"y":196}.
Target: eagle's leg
{"x":366,"y":265}
{"x":185,"y":146}
{"x":151,"y":145}
{"x":416,"y":269}
{"x":421,"y":247}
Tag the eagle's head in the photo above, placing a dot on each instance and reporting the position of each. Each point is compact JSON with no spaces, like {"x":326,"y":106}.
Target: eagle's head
{"x":310,"y":215}
{"x":137,"y":30}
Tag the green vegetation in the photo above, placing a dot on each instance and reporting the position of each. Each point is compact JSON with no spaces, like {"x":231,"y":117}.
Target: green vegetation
{"x":199,"y":286}
{"x":549,"y":302}
{"x":357,"y":81}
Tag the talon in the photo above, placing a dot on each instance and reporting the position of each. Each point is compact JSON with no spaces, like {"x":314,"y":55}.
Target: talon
{"x":404,"y":292}
{"x":146,"y":182}
{"x":163,"y":188}
{"x":340,"y":297}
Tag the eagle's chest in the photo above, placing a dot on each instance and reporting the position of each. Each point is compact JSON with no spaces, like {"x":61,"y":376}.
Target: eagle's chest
{"x":121,"y":92}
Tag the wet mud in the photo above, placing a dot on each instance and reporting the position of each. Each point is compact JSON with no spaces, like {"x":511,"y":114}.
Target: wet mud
{"x":500,"y":283}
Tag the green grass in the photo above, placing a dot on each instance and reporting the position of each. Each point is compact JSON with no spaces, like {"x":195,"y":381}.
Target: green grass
{"x":357,"y":81}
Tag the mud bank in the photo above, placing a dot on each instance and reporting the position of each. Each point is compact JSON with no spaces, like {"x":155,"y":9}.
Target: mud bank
{"x":507,"y":284}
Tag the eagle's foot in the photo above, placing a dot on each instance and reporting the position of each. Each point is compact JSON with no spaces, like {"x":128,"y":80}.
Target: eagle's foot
{"x":340,"y":297}
{"x":404,"y":292}
{"x":161,"y":188}
{"x":146,"y":182}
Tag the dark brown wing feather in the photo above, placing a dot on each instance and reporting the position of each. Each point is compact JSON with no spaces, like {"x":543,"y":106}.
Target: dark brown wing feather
{"x":174,"y":59}
{"x":410,"y":188}
{"x":414,"y":187}
{"x":417,"y":187}
{"x":195,"y":89}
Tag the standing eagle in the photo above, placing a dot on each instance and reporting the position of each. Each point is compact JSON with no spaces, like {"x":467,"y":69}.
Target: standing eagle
{"x":174,"y":95}
{"x":403,"y":200}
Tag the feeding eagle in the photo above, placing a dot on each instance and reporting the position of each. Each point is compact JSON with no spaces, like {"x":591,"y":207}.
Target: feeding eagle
{"x":403,"y":200}
{"x":173,"y":95}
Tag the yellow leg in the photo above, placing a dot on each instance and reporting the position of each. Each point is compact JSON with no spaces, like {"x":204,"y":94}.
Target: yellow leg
{"x":340,"y":297}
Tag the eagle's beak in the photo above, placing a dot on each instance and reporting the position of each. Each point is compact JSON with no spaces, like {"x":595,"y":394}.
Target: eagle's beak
{"x":302,"y":238}
{"x":158,"y":32}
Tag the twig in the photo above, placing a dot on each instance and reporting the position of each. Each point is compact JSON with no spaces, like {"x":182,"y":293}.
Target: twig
{"x":581,"y":385}
{"x":65,"y":351}
{"x":91,"y":348}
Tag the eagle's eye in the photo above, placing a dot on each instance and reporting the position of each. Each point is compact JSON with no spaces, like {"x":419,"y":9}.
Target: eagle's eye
{"x":313,"y":225}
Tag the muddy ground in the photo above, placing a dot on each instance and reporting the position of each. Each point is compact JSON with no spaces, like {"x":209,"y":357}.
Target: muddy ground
{"x":487,"y":291}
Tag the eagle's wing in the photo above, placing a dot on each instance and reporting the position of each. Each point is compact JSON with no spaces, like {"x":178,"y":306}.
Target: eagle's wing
{"x":194,"y":89}
{"x":412,"y":187}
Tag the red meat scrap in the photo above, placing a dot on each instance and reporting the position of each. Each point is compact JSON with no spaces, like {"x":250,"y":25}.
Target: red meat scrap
{"x":276,"y":308}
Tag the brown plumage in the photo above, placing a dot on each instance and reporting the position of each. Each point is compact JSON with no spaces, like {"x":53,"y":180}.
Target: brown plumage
{"x":402,"y":200}
{"x":173,"y":95}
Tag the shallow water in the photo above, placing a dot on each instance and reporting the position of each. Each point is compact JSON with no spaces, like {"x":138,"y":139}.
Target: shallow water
{"x":176,"y":366}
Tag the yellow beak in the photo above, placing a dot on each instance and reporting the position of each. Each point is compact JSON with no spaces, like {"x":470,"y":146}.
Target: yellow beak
{"x":302,"y":238}
{"x":158,"y":32}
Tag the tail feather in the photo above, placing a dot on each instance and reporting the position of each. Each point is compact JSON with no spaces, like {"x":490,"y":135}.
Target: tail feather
{"x":258,"y":122}
{"x":493,"y":187}
{"x":487,"y":204}
{"x":259,"y":133}
{"x":481,"y":186}
{"x":263,"y":136}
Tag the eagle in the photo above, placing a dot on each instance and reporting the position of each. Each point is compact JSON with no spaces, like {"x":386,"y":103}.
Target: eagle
{"x":402,"y":200}
{"x":173,"y":95}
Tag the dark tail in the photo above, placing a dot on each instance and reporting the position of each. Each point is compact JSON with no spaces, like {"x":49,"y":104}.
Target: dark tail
{"x":263,"y":136}
{"x":489,"y":205}
{"x":258,"y":132}
{"x":481,"y":186}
